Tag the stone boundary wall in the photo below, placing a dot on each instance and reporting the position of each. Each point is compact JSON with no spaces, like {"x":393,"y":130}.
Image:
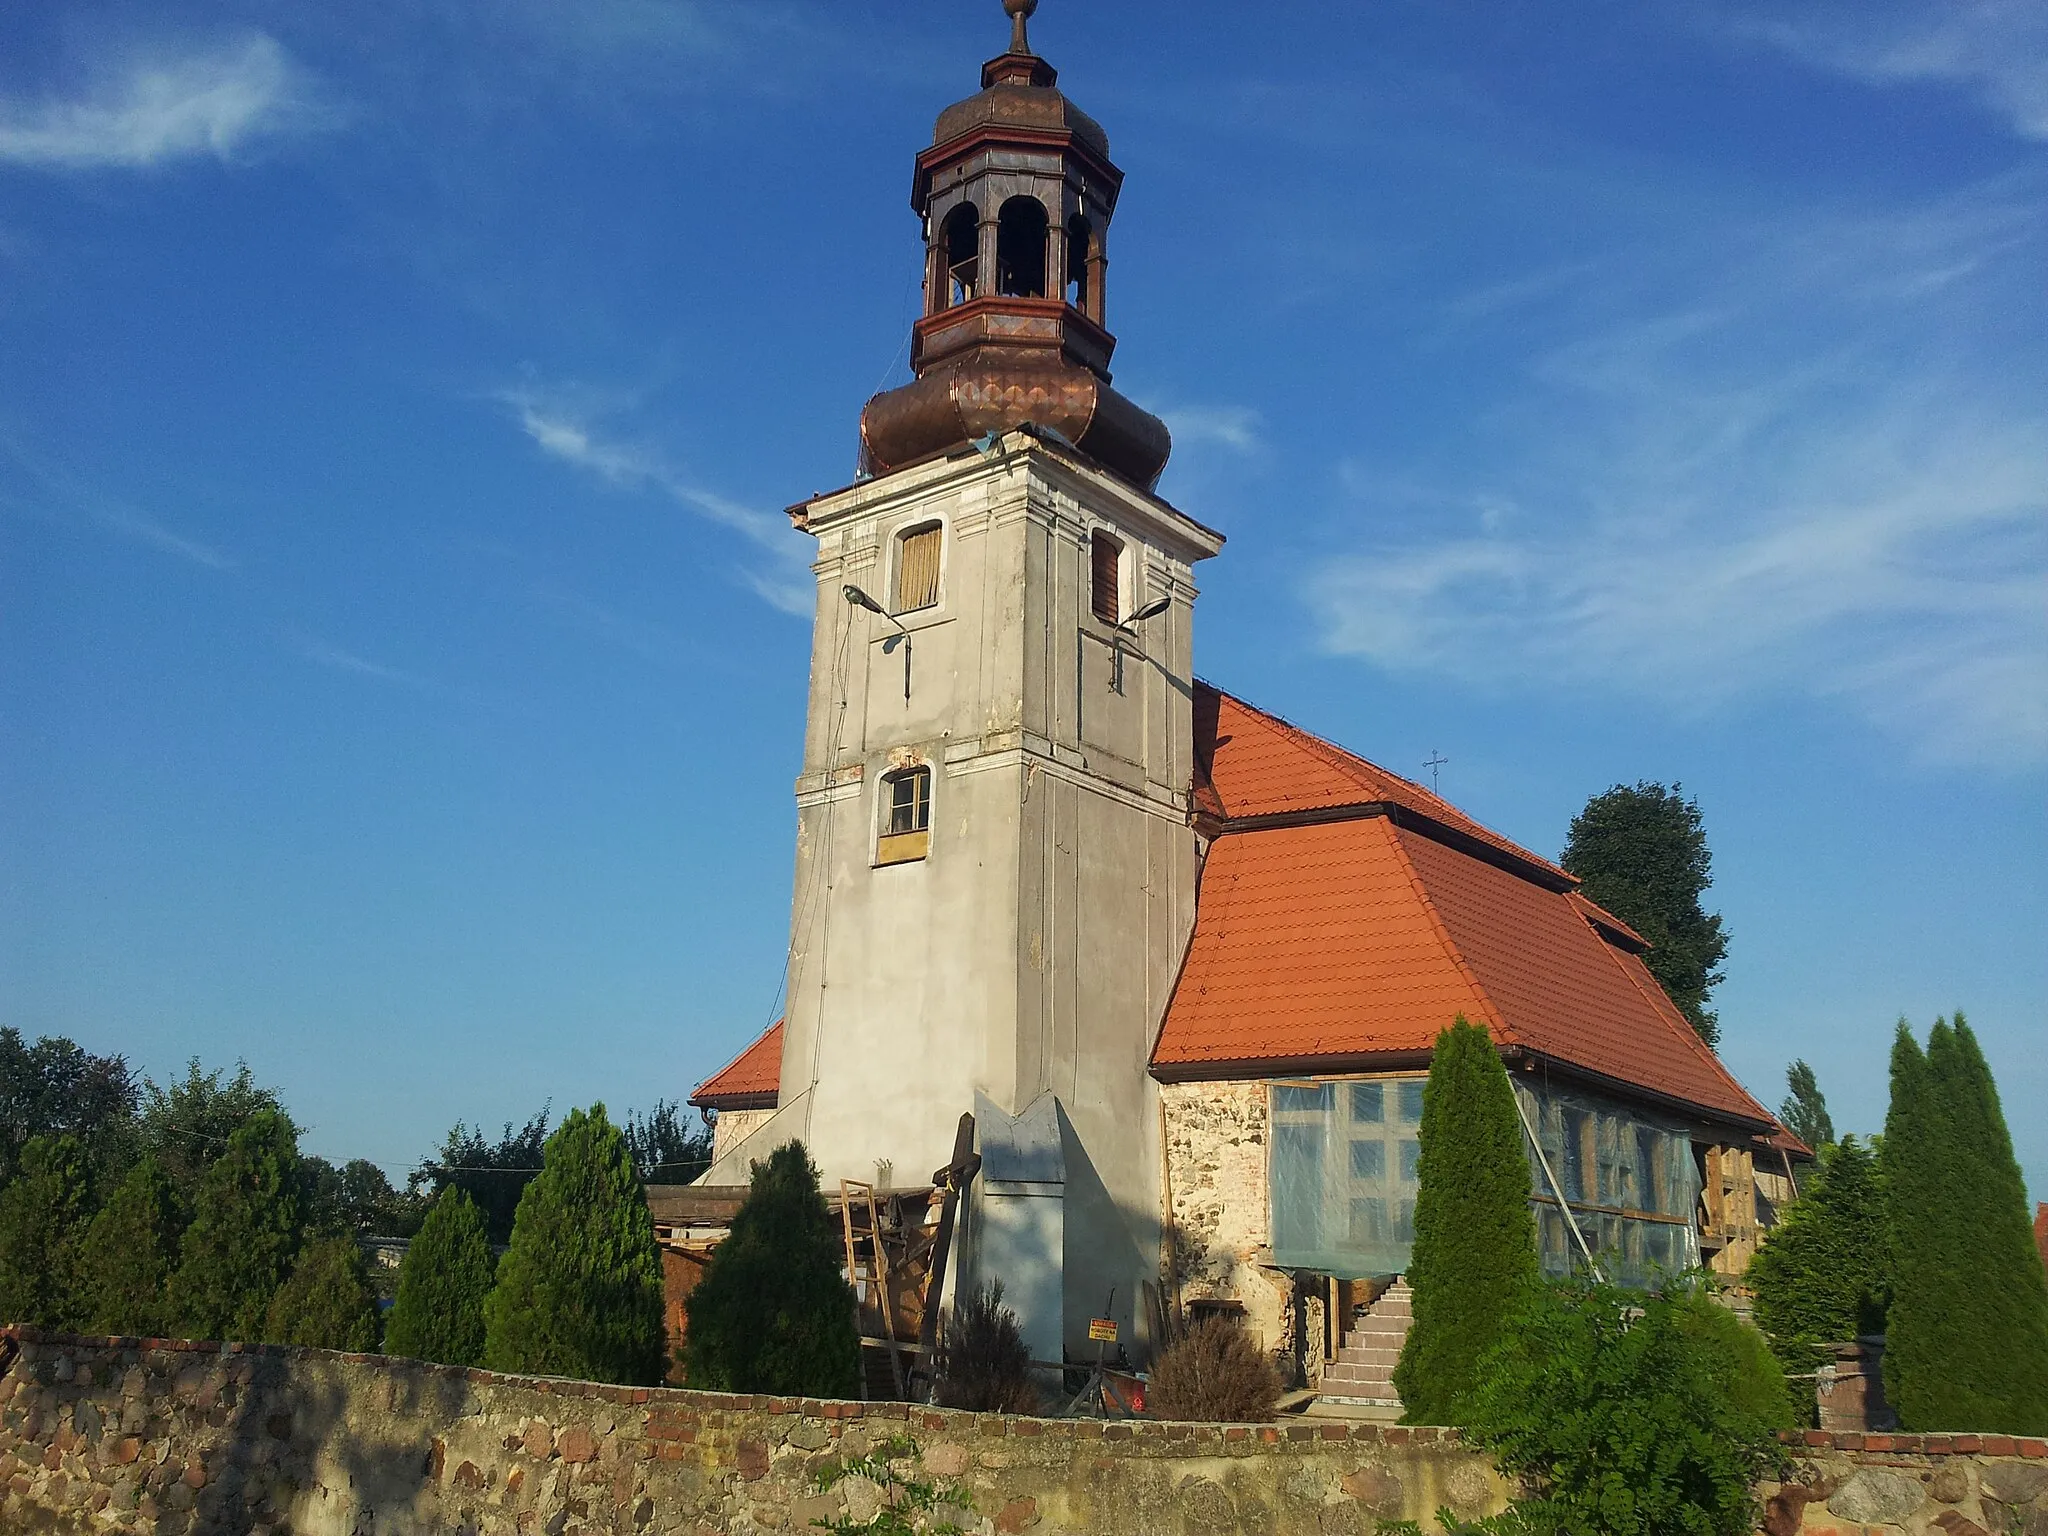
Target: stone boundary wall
{"x":190,"y":1439}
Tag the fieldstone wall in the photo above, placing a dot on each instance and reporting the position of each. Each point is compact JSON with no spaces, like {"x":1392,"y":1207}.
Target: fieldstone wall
{"x":1912,"y":1485}
{"x":133,"y":1435}
{"x":1216,"y":1136}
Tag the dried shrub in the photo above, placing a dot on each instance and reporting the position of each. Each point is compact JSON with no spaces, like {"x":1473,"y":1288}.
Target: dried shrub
{"x":983,"y":1363}
{"x":1215,"y":1374}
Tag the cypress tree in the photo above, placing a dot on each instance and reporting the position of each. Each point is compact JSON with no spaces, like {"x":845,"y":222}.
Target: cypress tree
{"x":1968,"y":1339}
{"x":43,"y":1213}
{"x":326,"y":1303}
{"x":128,"y":1255}
{"x":1805,"y":1111}
{"x":579,"y":1291}
{"x":439,"y":1313}
{"x":773,"y":1312}
{"x":244,"y":1233}
{"x":1475,"y":1241}
{"x":1825,"y":1275}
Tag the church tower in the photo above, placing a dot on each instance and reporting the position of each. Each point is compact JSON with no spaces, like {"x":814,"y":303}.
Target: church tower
{"x":995,"y":864}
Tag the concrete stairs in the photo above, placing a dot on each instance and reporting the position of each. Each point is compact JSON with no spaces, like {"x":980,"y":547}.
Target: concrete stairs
{"x":1359,"y":1383}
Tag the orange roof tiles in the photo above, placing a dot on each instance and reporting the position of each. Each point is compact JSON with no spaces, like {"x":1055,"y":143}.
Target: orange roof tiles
{"x":1363,"y":936}
{"x":750,"y":1081}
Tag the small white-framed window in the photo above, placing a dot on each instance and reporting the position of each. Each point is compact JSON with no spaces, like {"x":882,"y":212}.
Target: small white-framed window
{"x":906,"y":816}
{"x":1105,"y":576}
{"x":917,"y":566}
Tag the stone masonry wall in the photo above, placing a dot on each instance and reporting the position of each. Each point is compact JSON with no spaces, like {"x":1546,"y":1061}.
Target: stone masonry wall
{"x":1216,"y":1135}
{"x":129,"y":1435}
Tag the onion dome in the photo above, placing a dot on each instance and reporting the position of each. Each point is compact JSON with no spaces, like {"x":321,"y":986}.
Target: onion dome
{"x":1016,"y":194}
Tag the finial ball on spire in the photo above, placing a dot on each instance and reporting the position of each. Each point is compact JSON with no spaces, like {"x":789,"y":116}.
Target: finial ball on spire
{"x":1020,"y":11}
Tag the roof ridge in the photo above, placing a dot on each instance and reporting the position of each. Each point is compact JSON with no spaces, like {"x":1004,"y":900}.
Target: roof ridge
{"x":1503,"y":1032}
{"x":1345,"y":760}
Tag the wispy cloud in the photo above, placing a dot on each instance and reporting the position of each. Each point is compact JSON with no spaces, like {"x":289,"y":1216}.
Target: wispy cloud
{"x":1228,"y":426}
{"x":562,"y":429}
{"x":31,"y":484}
{"x":215,"y":101}
{"x":337,"y":659}
{"x":1996,"y":48}
{"x":1789,"y":476}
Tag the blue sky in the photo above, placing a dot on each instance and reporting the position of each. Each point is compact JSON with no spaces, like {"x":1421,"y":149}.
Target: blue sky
{"x":401,"y":660}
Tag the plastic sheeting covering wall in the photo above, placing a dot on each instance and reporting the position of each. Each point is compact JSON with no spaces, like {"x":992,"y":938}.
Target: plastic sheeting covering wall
{"x":1343,"y":1171}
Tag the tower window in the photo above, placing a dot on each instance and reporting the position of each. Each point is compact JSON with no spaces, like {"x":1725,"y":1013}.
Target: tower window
{"x":1105,"y":558}
{"x":906,"y":816}
{"x":1079,"y":234}
{"x":961,"y":238}
{"x":1020,"y":248}
{"x":917,"y":567}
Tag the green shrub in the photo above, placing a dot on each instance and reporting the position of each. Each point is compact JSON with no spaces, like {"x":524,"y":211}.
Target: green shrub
{"x":1624,"y":1414}
{"x":1214,"y":1373}
{"x":43,"y":1213}
{"x":128,"y":1255}
{"x":1967,"y":1337}
{"x":1824,"y":1276}
{"x":1475,"y":1242}
{"x":983,"y":1363}
{"x":244,"y":1233}
{"x":326,"y":1303}
{"x":773,"y":1311}
{"x":579,"y":1291}
{"x":442,"y":1286}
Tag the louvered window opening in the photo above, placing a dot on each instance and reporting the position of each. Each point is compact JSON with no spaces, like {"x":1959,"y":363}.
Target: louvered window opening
{"x":917,"y":569}
{"x":1106,"y":555}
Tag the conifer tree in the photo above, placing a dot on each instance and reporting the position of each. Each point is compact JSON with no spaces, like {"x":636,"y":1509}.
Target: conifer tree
{"x":1804,"y":1112}
{"x":1825,"y":1275}
{"x":244,"y":1233}
{"x":128,"y":1255}
{"x":1475,"y":1241}
{"x":579,"y":1291}
{"x":326,"y":1302}
{"x":1967,"y":1343}
{"x":773,"y":1311}
{"x":442,"y":1285}
{"x":43,"y":1213}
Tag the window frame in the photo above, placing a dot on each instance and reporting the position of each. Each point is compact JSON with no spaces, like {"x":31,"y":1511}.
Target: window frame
{"x":1098,"y":539}
{"x":899,"y":550}
{"x":911,"y":844}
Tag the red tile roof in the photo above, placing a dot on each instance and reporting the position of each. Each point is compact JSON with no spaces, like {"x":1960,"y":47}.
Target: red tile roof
{"x":750,"y":1080}
{"x":1349,"y":937}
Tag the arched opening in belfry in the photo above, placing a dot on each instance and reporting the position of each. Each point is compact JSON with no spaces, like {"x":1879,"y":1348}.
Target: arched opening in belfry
{"x":960,"y":239}
{"x":1079,"y":235}
{"x":1020,"y":249}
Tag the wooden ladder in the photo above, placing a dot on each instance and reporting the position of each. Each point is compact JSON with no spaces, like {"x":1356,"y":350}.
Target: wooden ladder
{"x":867,"y":1270}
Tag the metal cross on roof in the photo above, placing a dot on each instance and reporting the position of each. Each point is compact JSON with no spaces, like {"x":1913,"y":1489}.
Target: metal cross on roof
{"x":1434,"y":761}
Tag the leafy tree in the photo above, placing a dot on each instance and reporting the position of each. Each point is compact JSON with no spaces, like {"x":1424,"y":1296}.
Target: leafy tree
{"x":1475,"y":1242}
{"x":186,"y":1126}
{"x":1825,"y":1275}
{"x":1805,"y":1112}
{"x":1967,"y":1338}
{"x":54,"y":1088}
{"x":1642,"y":854}
{"x":357,"y":1199}
{"x":42,"y":1216}
{"x":128,"y":1255}
{"x":442,"y":1284}
{"x":493,"y":1174}
{"x":1625,"y":1414}
{"x":663,"y":1151}
{"x":773,"y":1312}
{"x":326,"y":1302}
{"x":244,"y":1233}
{"x":579,"y":1291}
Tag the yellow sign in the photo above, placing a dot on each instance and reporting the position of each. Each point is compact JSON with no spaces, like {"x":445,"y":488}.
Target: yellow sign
{"x":1102,"y":1329}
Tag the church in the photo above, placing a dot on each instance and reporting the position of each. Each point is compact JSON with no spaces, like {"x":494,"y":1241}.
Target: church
{"x":1181,"y":960}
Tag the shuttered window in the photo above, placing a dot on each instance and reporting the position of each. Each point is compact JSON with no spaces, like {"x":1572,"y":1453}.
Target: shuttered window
{"x":1106,"y":557}
{"x":917,"y":568}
